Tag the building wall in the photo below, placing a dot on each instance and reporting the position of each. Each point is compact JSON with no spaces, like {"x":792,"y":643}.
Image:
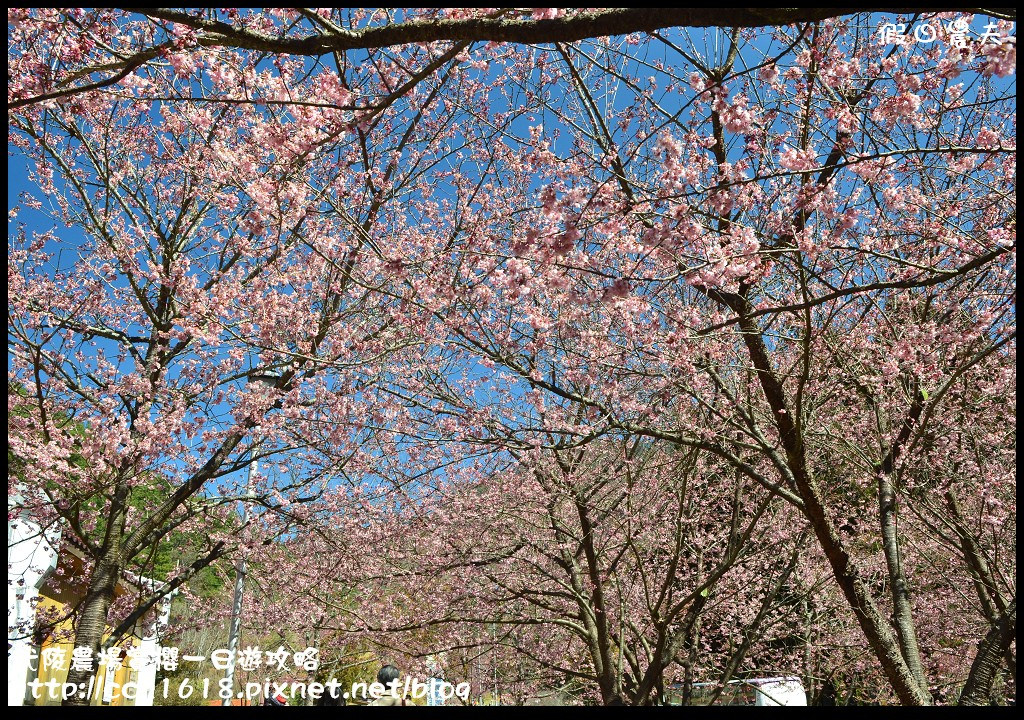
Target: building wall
{"x":34,"y":590}
{"x":31,"y":558}
{"x":58,"y":599}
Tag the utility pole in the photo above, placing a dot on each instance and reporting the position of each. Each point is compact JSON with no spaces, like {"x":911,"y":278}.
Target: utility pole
{"x":235,"y":632}
{"x":494,"y":660}
{"x":236,"y":603}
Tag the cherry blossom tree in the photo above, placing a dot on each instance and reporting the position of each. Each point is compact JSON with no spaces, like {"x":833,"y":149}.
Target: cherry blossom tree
{"x":796,"y":278}
{"x":205,"y":295}
{"x":445,"y":240}
{"x":608,"y":564}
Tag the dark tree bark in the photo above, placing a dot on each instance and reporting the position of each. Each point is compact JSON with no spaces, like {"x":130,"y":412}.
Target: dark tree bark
{"x":93,"y":623}
{"x":615,"y":21}
{"x":989,"y":658}
{"x":876,"y":628}
{"x":332,"y":39}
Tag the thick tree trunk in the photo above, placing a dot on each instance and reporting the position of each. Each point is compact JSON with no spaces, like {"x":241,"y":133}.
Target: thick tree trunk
{"x":613,"y":21}
{"x":989,"y":658}
{"x":874,"y":626}
{"x":902,"y":611}
{"x":604,"y":664}
{"x":992,"y":602}
{"x":93,"y":624}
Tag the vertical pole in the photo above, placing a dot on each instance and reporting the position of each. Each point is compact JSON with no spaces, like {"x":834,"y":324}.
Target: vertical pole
{"x":494,"y":660}
{"x":236,"y":604}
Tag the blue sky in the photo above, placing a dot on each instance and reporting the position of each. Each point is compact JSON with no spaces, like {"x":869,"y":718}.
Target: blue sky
{"x":17,"y":176}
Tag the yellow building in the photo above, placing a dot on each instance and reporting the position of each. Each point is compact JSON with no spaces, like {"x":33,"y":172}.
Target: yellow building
{"x":39,"y":592}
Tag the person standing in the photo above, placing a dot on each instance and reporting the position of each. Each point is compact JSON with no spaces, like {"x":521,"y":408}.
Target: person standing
{"x":435,"y":681}
{"x":388,"y":677}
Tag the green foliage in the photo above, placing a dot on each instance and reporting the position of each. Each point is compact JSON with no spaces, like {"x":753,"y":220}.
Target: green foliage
{"x":93,"y":501}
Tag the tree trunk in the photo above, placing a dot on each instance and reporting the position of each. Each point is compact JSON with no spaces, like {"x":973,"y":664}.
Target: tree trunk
{"x":902,"y":612}
{"x":875,"y":627}
{"x":604,"y":664}
{"x":93,"y":624}
{"x":989,"y":658}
